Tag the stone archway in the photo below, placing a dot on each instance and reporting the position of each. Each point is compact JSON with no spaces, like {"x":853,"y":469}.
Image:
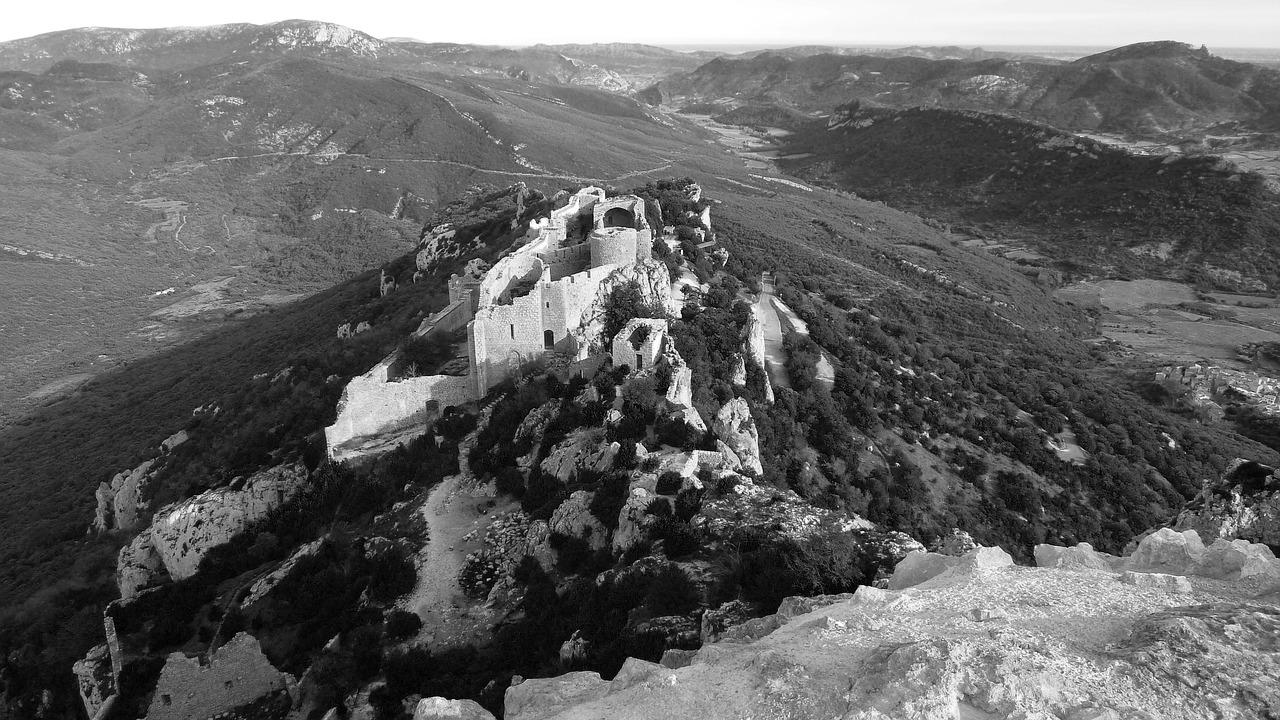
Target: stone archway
{"x":619,"y":217}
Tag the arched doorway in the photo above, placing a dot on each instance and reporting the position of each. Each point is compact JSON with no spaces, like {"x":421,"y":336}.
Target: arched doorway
{"x":619,"y":217}
{"x":548,"y":339}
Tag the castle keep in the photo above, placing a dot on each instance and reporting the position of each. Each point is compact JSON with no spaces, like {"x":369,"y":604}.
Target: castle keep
{"x":547,"y":296}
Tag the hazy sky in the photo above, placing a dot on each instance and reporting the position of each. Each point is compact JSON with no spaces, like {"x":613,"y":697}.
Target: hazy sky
{"x":1217,"y":23}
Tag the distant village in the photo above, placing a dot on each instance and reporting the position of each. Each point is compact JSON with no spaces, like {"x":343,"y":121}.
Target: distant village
{"x":1208,"y":387}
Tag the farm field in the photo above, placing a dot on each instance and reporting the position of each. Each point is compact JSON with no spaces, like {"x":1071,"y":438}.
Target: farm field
{"x":1172,"y":322}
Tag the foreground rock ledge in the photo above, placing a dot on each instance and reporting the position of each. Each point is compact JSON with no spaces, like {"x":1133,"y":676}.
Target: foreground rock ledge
{"x":982,"y":639}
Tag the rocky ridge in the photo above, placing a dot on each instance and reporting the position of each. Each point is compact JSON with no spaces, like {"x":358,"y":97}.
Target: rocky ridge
{"x":980,"y":637}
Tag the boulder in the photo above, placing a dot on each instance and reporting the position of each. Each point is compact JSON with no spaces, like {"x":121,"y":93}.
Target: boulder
{"x":438,"y":708}
{"x":1236,"y":560}
{"x":919,"y":566}
{"x":633,"y":521}
{"x":538,"y":698}
{"x":184,"y":532}
{"x":580,"y":451}
{"x":738,"y":377}
{"x":1080,"y":557}
{"x":680,"y":391}
{"x":1157,"y":581}
{"x":574,"y":518}
{"x":138,"y":566}
{"x":1167,"y":551}
{"x":574,"y":649}
{"x":174,"y":440}
{"x":736,"y":429}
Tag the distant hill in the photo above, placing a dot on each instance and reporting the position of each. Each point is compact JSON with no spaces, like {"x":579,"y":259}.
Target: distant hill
{"x":1147,"y":88}
{"x":1098,"y":206}
{"x":188,"y":47}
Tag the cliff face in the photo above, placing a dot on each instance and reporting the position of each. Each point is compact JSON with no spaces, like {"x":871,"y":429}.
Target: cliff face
{"x":982,"y":638}
{"x":182,"y":533}
{"x":1244,"y":503}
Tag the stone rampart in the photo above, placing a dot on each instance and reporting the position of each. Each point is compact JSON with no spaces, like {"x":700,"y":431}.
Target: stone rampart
{"x":238,"y":674}
{"x":622,"y":211}
{"x":371,"y":405}
{"x":613,"y":246}
{"x":456,"y":315}
{"x":566,"y":261}
{"x":510,"y":272}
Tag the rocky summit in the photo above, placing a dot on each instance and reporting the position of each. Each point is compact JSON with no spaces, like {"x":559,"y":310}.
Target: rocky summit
{"x":981,"y":638}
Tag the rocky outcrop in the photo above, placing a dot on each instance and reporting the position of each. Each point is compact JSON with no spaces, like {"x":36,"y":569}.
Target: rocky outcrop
{"x":1244,"y":503}
{"x":654,"y":282}
{"x":574,"y":519}
{"x":438,"y":708}
{"x":386,"y":284}
{"x":580,"y":451}
{"x":1080,"y":557}
{"x":122,"y":501}
{"x":184,"y":532}
{"x":95,"y":679}
{"x":633,"y":522}
{"x":680,"y":391}
{"x":753,"y":346}
{"x":138,"y":566}
{"x":982,"y":639}
{"x":736,"y":430}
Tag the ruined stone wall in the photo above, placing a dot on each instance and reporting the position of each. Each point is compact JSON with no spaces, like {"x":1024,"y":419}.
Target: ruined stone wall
{"x":645,"y":356}
{"x":565,"y":301}
{"x":236,"y":675}
{"x":371,"y":405}
{"x":455,"y":315}
{"x":465,"y":287}
{"x":630,"y":203}
{"x":510,"y":270}
{"x":504,"y":336}
{"x":566,"y":261}
{"x":613,"y":246}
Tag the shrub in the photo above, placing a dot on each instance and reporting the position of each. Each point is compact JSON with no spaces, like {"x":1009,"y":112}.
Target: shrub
{"x":610,"y":497}
{"x":669,"y":483}
{"x":401,"y":624}
{"x":688,"y":503}
{"x":672,"y":592}
{"x":391,"y":575}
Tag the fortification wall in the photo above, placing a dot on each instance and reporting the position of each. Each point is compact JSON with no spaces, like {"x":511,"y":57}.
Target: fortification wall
{"x":237,"y":674}
{"x":371,"y":405}
{"x":510,"y":270}
{"x":564,"y":303}
{"x":455,"y":315}
{"x":566,"y":261}
{"x":601,"y":217}
{"x":503,"y":336}
{"x":613,"y":246}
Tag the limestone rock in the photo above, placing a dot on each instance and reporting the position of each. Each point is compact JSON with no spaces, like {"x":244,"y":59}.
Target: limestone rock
{"x":184,"y":532}
{"x":538,"y":698}
{"x":95,"y":679}
{"x":535,"y":423}
{"x":692,"y":420}
{"x":580,"y":451}
{"x":574,"y":518}
{"x":265,"y":584}
{"x":680,"y":391}
{"x":1243,"y":504}
{"x":736,"y":429}
{"x":138,"y":566}
{"x":1158,"y":581}
{"x":345,"y":332}
{"x":121,"y":502}
{"x":438,"y":708}
{"x":1236,"y":560}
{"x":795,"y":606}
{"x":654,"y":282}
{"x":716,"y":621}
{"x":919,"y":566}
{"x":666,"y":631}
{"x":738,"y":378}
{"x":386,"y":284}
{"x":1020,"y":643}
{"x":753,"y":344}
{"x":574,"y":649}
{"x":1167,"y":551}
{"x":1080,"y":557}
{"x":633,"y":522}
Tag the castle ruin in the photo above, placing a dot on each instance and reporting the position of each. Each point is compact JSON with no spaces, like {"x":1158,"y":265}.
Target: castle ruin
{"x":545,"y":297}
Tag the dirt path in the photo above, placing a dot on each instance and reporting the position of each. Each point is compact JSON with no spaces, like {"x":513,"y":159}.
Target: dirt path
{"x":774,"y":355}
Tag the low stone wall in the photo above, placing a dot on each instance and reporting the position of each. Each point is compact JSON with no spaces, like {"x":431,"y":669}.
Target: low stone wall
{"x":455,"y":315}
{"x":370,"y":405}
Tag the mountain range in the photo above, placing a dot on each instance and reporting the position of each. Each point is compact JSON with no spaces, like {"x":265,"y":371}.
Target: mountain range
{"x":1154,"y":88}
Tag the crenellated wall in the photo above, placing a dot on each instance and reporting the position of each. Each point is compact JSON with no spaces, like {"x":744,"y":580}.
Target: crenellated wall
{"x":613,"y":246}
